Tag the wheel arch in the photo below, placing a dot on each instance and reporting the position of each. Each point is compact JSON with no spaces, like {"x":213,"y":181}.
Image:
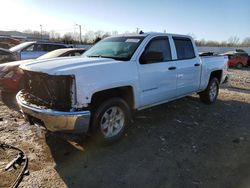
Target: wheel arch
{"x":216,"y":74}
{"x":124,"y":92}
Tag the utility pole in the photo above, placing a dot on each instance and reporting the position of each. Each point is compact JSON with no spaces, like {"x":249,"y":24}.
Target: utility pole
{"x":80,"y":28}
{"x":41,"y":27}
{"x":137,"y":30}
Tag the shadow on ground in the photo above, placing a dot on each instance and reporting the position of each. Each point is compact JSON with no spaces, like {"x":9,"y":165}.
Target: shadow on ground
{"x":181,"y":144}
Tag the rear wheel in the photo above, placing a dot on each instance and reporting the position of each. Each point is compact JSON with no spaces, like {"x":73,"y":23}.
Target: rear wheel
{"x":209,"y":95}
{"x":110,"y":120}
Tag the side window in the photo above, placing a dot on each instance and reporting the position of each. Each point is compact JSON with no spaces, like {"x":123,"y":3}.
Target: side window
{"x":158,"y":50}
{"x":77,"y":54}
{"x":70,"y":54}
{"x":34,"y":48}
{"x":184,"y":48}
{"x":74,"y":54}
{"x":30,"y":48}
{"x":40,"y":47}
{"x":55,"y":47}
{"x":51,"y":47}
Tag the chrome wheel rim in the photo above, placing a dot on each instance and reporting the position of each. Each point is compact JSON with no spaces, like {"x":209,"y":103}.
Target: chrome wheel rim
{"x":213,"y":91}
{"x":112,"y":121}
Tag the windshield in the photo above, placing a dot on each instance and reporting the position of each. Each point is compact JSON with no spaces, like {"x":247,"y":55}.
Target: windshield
{"x":20,"y":46}
{"x":119,"y":48}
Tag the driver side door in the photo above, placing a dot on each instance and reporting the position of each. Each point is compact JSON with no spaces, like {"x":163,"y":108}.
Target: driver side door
{"x":157,"y":75}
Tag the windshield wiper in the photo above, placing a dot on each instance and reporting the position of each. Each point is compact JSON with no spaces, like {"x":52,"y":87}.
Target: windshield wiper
{"x":94,"y":56}
{"x":101,"y":56}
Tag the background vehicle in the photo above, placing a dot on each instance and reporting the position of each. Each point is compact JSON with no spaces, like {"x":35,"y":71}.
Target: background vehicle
{"x":99,"y":91}
{"x":8,"y":42}
{"x":237,"y":59}
{"x":10,"y":74}
{"x":207,"y":54}
{"x":32,"y":50}
{"x":7,"y":56}
{"x":5,"y":45}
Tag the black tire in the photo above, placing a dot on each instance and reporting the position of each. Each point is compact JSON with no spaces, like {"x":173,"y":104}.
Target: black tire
{"x":239,"y":66}
{"x":98,"y":116}
{"x":206,"y":96}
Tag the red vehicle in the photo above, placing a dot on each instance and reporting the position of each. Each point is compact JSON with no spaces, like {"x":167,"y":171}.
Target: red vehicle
{"x":237,"y":59}
{"x":11,"y":75}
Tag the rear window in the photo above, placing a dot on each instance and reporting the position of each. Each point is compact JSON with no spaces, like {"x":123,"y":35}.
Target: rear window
{"x":184,"y":48}
{"x":51,"y":47}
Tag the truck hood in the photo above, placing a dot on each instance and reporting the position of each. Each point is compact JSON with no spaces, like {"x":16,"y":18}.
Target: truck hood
{"x":64,"y":65}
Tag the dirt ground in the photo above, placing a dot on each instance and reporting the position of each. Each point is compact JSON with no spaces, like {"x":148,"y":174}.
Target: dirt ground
{"x":184,"y":143}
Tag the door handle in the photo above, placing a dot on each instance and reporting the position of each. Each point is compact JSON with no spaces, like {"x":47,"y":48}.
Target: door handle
{"x":171,"y":68}
{"x":197,"y":64}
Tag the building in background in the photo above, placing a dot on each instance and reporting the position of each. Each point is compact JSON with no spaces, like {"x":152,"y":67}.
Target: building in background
{"x":24,"y":36}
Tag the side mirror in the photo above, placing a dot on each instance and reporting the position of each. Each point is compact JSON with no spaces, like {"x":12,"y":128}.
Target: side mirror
{"x":151,"y":57}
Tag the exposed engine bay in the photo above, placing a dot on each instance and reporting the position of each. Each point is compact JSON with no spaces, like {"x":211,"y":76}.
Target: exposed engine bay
{"x":48,"y":91}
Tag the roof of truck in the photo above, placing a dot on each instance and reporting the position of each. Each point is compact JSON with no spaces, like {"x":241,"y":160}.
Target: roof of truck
{"x":153,"y":34}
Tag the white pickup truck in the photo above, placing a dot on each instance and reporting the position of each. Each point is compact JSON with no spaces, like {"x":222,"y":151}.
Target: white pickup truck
{"x":100,"y":90}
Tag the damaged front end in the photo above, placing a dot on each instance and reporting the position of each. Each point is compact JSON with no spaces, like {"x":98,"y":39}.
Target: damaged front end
{"x":49,"y":100}
{"x":49,"y":91}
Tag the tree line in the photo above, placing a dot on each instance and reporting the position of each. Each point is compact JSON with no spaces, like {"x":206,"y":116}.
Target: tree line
{"x":91,"y":37}
{"x":231,"y":42}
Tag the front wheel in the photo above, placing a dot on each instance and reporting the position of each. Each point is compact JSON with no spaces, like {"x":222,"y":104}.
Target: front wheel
{"x":110,"y":120}
{"x":209,"y":95}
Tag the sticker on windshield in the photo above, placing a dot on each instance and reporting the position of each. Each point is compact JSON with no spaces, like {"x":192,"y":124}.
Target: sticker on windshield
{"x":133,"y":40}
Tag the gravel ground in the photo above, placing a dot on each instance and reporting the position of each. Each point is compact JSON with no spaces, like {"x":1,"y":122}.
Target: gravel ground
{"x":184,"y":143}
{"x":240,"y":78}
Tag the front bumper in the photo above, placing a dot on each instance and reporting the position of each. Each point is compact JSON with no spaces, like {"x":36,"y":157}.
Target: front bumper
{"x":75,"y":122}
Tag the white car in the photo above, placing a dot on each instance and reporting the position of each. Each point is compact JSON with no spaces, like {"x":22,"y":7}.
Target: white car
{"x":118,"y":75}
{"x":34,"y":49}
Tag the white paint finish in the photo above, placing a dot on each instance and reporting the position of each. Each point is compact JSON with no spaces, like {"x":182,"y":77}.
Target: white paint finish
{"x":210,"y":64}
{"x":102,"y":76}
{"x":152,"y":83}
{"x":157,"y":83}
{"x":188,"y":76}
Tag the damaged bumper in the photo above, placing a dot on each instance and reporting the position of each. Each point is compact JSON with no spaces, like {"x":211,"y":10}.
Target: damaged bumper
{"x":75,"y":122}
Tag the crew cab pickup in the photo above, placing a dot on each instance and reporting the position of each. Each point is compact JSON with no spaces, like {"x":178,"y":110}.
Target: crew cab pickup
{"x":118,"y":75}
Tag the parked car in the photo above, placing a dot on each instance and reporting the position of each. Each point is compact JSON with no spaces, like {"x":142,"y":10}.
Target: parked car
{"x":9,"y":40}
{"x":207,"y":54}
{"x":240,"y":50}
{"x":117,"y":76}
{"x":11,"y":75}
{"x":32,"y":50}
{"x":237,"y":59}
{"x":7,"y":56}
{"x":5,"y":45}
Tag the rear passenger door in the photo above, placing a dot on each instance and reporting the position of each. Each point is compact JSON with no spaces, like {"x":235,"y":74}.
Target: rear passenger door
{"x":188,"y":66}
{"x":157,"y":76}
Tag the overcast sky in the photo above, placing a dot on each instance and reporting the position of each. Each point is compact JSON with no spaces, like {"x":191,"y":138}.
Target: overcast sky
{"x":211,"y":19}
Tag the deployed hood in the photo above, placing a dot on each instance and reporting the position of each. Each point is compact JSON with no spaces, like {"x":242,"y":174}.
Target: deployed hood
{"x":64,"y":65}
